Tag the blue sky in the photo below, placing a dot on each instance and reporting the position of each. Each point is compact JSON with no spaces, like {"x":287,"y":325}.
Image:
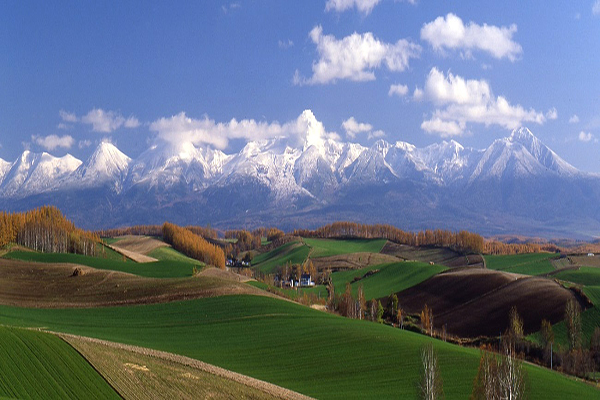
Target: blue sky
{"x":75,"y":73}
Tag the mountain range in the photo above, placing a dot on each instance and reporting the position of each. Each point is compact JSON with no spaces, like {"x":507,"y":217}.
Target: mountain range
{"x":517,"y":185}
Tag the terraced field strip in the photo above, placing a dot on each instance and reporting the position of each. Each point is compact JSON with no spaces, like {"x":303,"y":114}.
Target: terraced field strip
{"x":527,"y":264}
{"x":39,"y":365}
{"x":307,"y":351}
{"x":293,"y":252}
{"x":333,"y":247}
{"x":142,"y":373}
{"x":158,"y":269}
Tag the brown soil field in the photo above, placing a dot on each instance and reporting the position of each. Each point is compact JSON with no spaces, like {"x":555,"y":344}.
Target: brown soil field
{"x":585,"y":261}
{"x":352,"y":261}
{"x":137,"y":247}
{"x":139,"y":244}
{"x":440,"y":256}
{"x":476,"y":302}
{"x":29,"y":284}
{"x":140,"y":373}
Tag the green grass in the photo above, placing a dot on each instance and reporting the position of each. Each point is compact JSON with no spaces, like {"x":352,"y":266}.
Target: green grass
{"x":170,"y":254}
{"x":159,"y":269}
{"x":111,"y":240}
{"x":315,"y":353}
{"x":528,"y":264}
{"x":41,"y":365}
{"x":332,"y":247}
{"x":294,"y":252}
{"x":584,"y":276}
{"x":391,"y":278}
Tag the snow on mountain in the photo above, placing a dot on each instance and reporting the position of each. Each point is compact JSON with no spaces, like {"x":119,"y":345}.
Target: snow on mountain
{"x":107,"y":165}
{"x":521,"y":155}
{"x":542,"y":153}
{"x":164,"y":165}
{"x":34,"y":173}
{"x":4,"y":168}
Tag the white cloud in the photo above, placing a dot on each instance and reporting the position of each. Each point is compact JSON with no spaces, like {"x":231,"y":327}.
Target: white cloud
{"x":398,"y":90}
{"x":552,"y":114}
{"x":64,"y":126}
{"x":108,"y":121}
{"x":232,"y":6}
{"x":285,"y":44}
{"x":180,"y":129}
{"x":364,"y":6}
{"x":355,"y":57}
{"x":353,"y":128}
{"x":574,"y":119}
{"x":51,"y":142}
{"x":586,"y":137}
{"x":461,"y":101}
{"x":450,"y":32}
{"x":84,"y":143}
{"x":596,"y":8}
{"x":67,"y":116}
{"x":443,"y":128}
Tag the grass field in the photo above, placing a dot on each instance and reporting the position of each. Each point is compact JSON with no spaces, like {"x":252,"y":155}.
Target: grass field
{"x":159,"y":269}
{"x":141,"y":376}
{"x":391,"y":278}
{"x":170,"y":254}
{"x":293,"y":252}
{"x":527,"y":264}
{"x":40,"y":365}
{"x":331,"y":247}
{"x":588,"y":276}
{"x":312,"y":352}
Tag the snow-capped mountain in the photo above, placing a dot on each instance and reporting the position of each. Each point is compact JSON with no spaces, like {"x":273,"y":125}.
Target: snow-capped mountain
{"x":33,"y":173}
{"x":107,"y":165}
{"x":517,"y":183}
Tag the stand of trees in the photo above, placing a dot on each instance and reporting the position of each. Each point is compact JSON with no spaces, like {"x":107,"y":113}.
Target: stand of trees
{"x":193,"y":245}
{"x":463,"y":241}
{"x":45,"y":229}
{"x":154,"y":230}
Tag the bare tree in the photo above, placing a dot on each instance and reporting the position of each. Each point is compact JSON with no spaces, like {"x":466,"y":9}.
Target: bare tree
{"x":430,"y":383}
{"x":486,"y":385}
{"x":547,"y":339}
{"x":361,"y":301}
{"x":511,"y":375}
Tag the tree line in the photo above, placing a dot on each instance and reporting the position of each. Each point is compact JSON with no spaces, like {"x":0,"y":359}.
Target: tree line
{"x":463,"y":241}
{"x":154,"y":230}
{"x":45,"y":229}
{"x":193,"y":245}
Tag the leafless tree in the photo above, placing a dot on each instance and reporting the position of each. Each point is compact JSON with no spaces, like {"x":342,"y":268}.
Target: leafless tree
{"x":573,"y":322}
{"x":430,"y":383}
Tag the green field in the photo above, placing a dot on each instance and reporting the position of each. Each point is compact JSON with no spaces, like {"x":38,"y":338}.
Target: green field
{"x":40,"y":365}
{"x":527,"y":264}
{"x":588,"y":276}
{"x":170,"y":254}
{"x":391,"y":278}
{"x":294,"y":253}
{"x":312,"y":352}
{"x":332,"y":247}
{"x":159,"y":269}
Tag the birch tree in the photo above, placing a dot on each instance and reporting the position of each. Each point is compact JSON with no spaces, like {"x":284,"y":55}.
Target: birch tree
{"x":430,"y":383}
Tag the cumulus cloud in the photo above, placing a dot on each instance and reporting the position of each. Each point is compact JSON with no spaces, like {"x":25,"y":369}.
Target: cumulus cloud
{"x":450,"y":32}
{"x":84,"y":143}
{"x":461,"y":101}
{"x":552,"y":113}
{"x":230,"y":7}
{"x":574,"y":119}
{"x":355,"y":57}
{"x":285,"y":44}
{"x":108,"y":121}
{"x":585,"y":136}
{"x":67,"y":116}
{"x":353,"y":128}
{"x":52,"y":142}
{"x":180,"y":129}
{"x":364,"y":6}
{"x":398,"y":90}
{"x":596,"y":8}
